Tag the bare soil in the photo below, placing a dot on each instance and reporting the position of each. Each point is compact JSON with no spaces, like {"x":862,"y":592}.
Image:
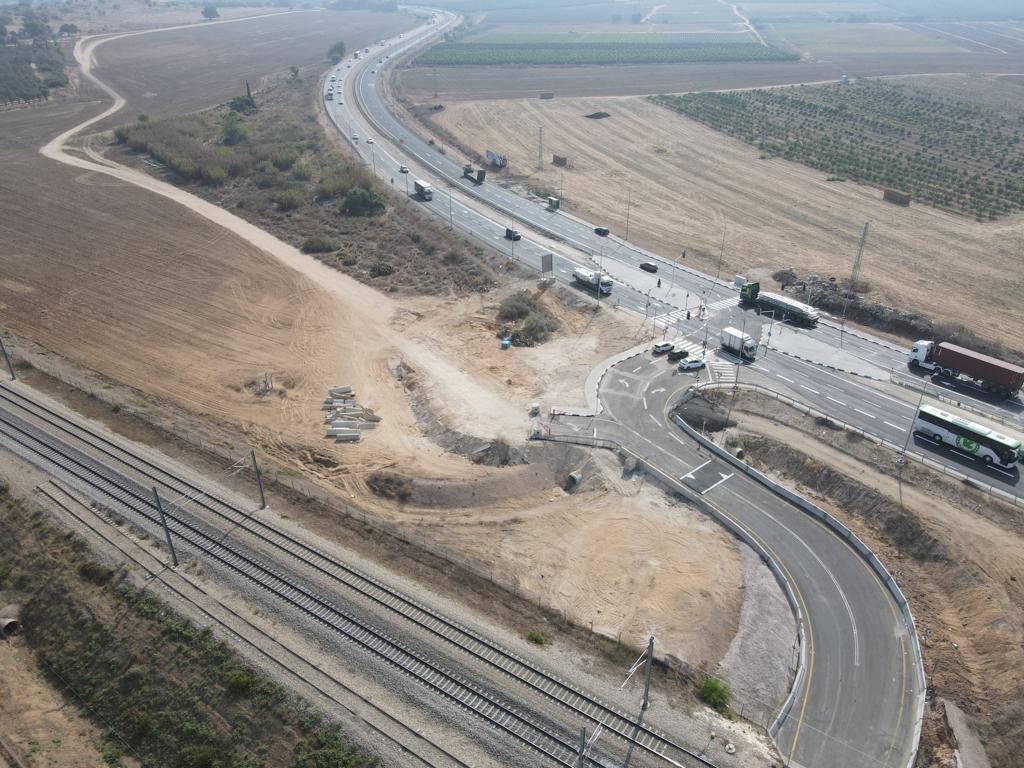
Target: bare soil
{"x":958,"y":555}
{"x":457,"y":84}
{"x":689,"y":185}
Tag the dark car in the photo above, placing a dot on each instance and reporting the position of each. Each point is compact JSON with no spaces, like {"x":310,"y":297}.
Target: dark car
{"x":648,"y":266}
{"x":602,"y":231}
{"x":512,"y":234}
{"x":677,"y":353}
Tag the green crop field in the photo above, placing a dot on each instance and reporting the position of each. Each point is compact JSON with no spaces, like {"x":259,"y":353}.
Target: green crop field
{"x":826,"y":38}
{"x":949,"y":152}
{"x":501,"y":36}
{"x":448,"y":54}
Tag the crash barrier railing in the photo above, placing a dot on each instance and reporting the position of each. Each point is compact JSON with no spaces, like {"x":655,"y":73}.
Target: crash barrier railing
{"x":814,"y":511}
{"x":919,"y":385}
{"x":733,"y":527}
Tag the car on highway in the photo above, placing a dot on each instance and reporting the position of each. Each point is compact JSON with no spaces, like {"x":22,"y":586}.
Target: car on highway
{"x":691,"y":364}
{"x":677,"y":353}
{"x":355,"y":137}
{"x":512,"y":234}
{"x":373,"y":71}
{"x":369,"y":141}
{"x":661,"y":347}
{"x":403,"y":169}
{"x":648,"y":266}
{"x":333,"y":78}
{"x":601,"y":231}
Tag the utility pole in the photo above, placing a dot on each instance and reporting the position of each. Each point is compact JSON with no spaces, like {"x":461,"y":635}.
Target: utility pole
{"x":721,"y":253}
{"x":167,"y":532}
{"x":373,"y":160}
{"x":10,"y":368}
{"x":540,"y":150}
{"x":259,"y":479}
{"x":629,"y":199}
{"x":435,"y":82}
{"x":561,"y":184}
{"x":648,"y":663}
{"x":451,"y":210}
{"x":582,"y":754}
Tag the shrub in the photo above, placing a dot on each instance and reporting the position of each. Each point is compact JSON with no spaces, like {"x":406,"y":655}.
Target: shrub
{"x":284,"y":158}
{"x":535,"y":637}
{"x":288,"y":200}
{"x":517,"y":306}
{"x":362,"y":202}
{"x":536,"y":329}
{"x":234,"y":131}
{"x":336,"y":52}
{"x":338,"y":181}
{"x":241,"y":682}
{"x":784,"y":277}
{"x":242,"y":104}
{"x":715,"y":693}
{"x":381,"y":269}
{"x":302,"y":172}
{"x":318,"y":244}
{"x":115,"y":408}
{"x":390,"y":485}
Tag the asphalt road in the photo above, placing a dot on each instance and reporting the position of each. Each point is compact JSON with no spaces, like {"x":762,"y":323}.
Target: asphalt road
{"x":857,"y":706}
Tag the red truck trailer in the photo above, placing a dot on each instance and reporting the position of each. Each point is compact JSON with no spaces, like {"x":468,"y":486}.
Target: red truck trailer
{"x":945,"y":359}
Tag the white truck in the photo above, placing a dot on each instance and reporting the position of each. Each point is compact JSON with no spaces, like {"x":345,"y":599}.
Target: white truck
{"x":423,"y":189}
{"x":738,"y":343}
{"x":593,"y":280}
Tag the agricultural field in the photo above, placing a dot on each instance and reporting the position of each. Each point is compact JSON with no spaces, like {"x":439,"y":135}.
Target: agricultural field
{"x":759,"y":11}
{"x":830,"y":39}
{"x":586,"y":53}
{"x":948,"y":152}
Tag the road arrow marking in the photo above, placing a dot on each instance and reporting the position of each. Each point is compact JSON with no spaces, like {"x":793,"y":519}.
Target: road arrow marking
{"x":656,"y":391}
{"x":689,"y":475}
{"x":724,"y":478}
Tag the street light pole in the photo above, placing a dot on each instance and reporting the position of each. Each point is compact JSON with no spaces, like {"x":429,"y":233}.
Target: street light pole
{"x":629,"y":200}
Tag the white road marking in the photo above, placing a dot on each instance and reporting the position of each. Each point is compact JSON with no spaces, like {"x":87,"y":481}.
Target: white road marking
{"x":804,"y":386}
{"x":894,"y":426}
{"x":654,"y":419}
{"x":869,"y":415}
{"x":637,"y":369}
{"x":645,"y":403}
{"x":690,"y":473}
{"x":624,"y":383}
{"x":759,"y":368}
{"x":656,"y":391}
{"x":834,"y":400}
{"x":724,"y":478}
{"x":842,"y":595}
{"x":779,"y":375}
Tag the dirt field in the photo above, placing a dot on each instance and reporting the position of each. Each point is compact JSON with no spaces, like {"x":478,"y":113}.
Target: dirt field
{"x":456,"y":84}
{"x":127,"y":289}
{"x":957,"y":555}
{"x":688,"y":182}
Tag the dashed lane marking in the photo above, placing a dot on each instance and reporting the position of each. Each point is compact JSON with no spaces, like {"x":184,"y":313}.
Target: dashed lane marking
{"x":780,"y":376}
{"x":894,"y":426}
{"x":869,"y":415}
{"x":835,"y":401}
{"x":804,"y":386}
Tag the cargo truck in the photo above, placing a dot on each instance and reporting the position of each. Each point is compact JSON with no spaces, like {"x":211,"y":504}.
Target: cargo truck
{"x":423,"y":189}
{"x":594,"y":281}
{"x":783,"y":307}
{"x":477,"y":176}
{"x":951,"y":361}
{"x":739,"y":343}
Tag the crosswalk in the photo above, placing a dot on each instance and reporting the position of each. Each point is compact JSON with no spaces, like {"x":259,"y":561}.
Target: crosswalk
{"x":695,"y":348}
{"x":728,"y":303}
{"x":723,"y":370}
{"x":669,"y":318}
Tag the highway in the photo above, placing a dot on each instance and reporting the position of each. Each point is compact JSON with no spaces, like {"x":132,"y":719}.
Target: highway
{"x":857,"y":704}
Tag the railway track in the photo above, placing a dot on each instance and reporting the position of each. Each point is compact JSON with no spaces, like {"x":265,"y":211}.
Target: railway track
{"x":599,"y":714}
{"x":122,"y":494}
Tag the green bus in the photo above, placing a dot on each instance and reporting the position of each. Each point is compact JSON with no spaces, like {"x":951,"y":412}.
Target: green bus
{"x":968,"y":437}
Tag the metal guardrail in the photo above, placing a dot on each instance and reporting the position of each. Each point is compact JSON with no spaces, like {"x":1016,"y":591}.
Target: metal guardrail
{"x":915,"y":384}
{"x":841,"y":530}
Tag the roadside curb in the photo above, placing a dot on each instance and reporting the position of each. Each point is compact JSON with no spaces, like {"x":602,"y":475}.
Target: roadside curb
{"x":840,"y":530}
{"x":592,"y":387}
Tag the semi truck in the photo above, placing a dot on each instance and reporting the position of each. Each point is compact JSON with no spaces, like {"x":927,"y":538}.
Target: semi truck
{"x":423,"y":189}
{"x":784,"y":307}
{"x":592,"y":280}
{"x":739,"y":343}
{"x":951,"y":361}
{"x":476,"y":176}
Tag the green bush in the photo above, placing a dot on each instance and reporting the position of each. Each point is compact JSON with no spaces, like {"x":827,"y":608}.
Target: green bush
{"x":715,"y":693}
{"x":362,"y":202}
{"x":288,"y":200}
{"x":284,"y":158}
{"x":302,"y":172}
{"x":535,"y":637}
{"x":517,"y":306}
{"x":241,"y":682}
{"x":381,"y":269}
{"x":242,"y":104}
{"x":338,"y":181}
{"x":318,"y":244}
{"x":336,"y":52}
{"x":234,"y":131}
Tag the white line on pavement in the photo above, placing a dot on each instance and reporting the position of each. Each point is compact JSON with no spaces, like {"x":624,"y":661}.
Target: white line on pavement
{"x":645,"y":403}
{"x":654,"y":419}
{"x":637,"y":369}
{"x":690,"y":473}
{"x":779,"y":375}
{"x":804,"y":386}
{"x":869,"y":415}
{"x":889,"y":423}
{"x":834,"y":400}
{"x":724,"y":478}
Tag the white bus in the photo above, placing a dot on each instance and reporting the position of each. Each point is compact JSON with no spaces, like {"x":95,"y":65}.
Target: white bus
{"x":968,"y":437}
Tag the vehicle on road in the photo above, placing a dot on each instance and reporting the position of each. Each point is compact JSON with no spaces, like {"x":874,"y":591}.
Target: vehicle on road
{"x":592,"y":280}
{"x":678,"y":352}
{"x":968,"y":437}
{"x":329,"y":96}
{"x":649,"y":266}
{"x":333,"y":78}
{"x":423,"y":189}
{"x":513,"y":234}
{"x":601,"y":231}
{"x":373,"y":71}
{"x":783,"y":307}
{"x":403,"y":169}
{"x":355,"y":137}
{"x":951,"y":361}
{"x":738,"y":343}
{"x":661,"y":347}
{"x":370,"y":140}
{"x":691,"y":364}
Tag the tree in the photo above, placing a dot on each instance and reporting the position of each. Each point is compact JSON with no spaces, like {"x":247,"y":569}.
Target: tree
{"x":234,"y":131}
{"x":295,"y":71}
{"x":34,"y":27}
{"x":68,"y":29}
{"x":210,"y":11}
{"x":336,"y":52}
